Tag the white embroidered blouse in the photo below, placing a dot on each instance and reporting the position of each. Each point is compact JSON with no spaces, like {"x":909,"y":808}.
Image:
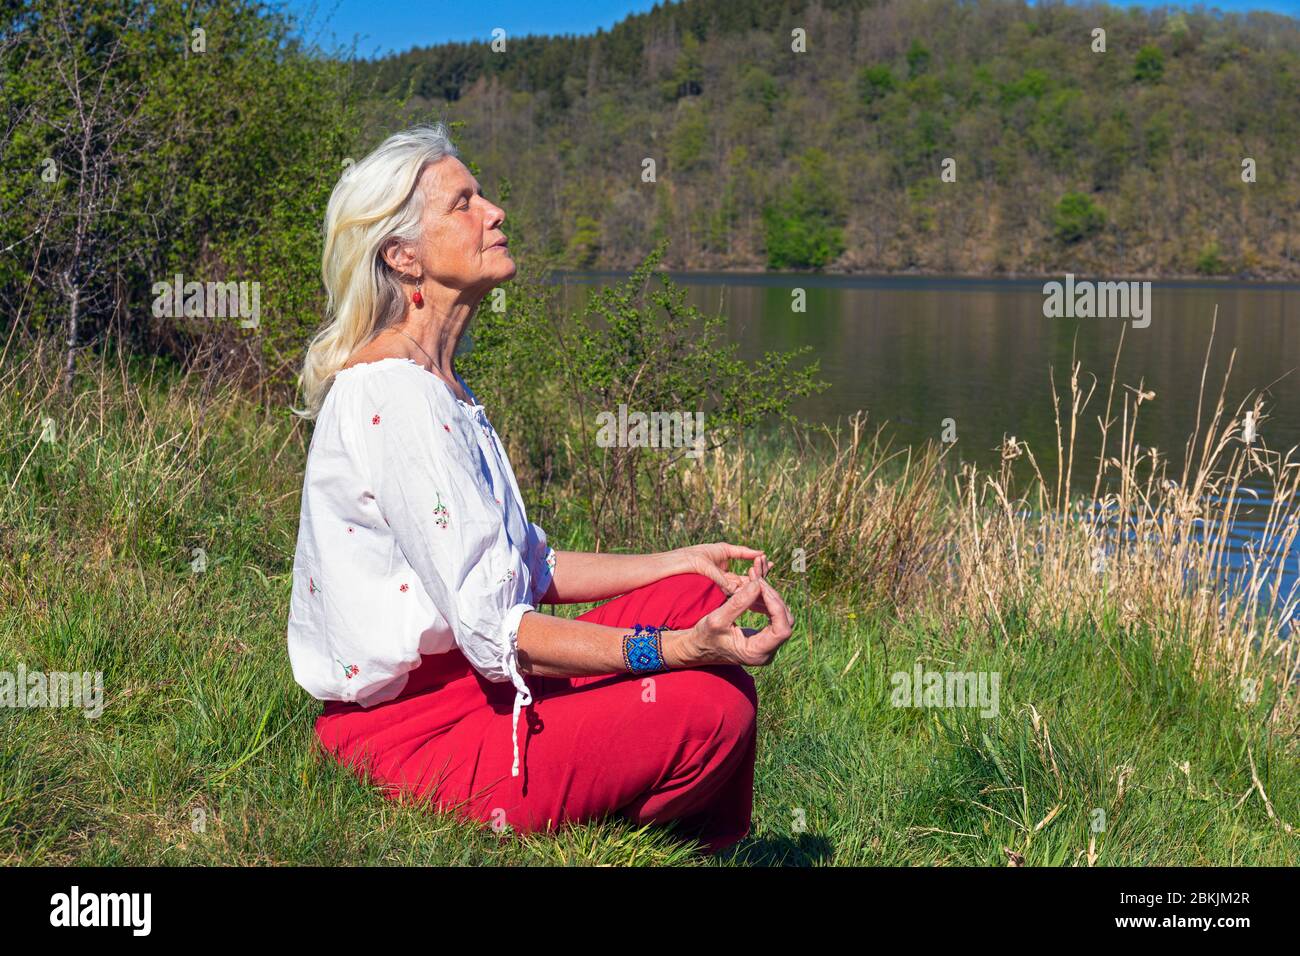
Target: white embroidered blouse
{"x":412,"y":540}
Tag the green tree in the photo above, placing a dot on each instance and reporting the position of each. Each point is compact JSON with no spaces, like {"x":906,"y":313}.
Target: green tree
{"x":803,"y":228}
{"x":918,"y":59}
{"x":687,"y":77}
{"x":1149,"y":65}
{"x":874,"y":83}
{"x":584,"y":244}
{"x":1076,"y":216}
{"x":1032,"y":84}
{"x":687,"y":149}
{"x":759,"y":86}
{"x":211,"y":155}
{"x":1210,"y":262}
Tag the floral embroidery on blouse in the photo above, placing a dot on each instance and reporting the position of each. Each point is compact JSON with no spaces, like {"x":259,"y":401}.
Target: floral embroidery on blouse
{"x":550,"y":560}
{"x":375,"y":420}
{"x":311,"y":585}
{"x":440,"y":513}
{"x":349,"y":670}
{"x":404,"y":588}
{"x":508,"y":576}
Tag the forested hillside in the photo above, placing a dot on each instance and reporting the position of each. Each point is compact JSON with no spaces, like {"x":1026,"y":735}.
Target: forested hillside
{"x":1064,"y":157}
{"x":203,"y":139}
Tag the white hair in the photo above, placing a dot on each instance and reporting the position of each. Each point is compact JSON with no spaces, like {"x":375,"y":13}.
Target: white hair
{"x":373,"y":202}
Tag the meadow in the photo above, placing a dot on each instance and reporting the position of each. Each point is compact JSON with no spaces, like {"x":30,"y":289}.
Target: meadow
{"x":1146,"y":711}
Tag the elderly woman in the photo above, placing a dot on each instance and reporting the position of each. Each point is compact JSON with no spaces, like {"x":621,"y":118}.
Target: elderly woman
{"x":417,"y":574}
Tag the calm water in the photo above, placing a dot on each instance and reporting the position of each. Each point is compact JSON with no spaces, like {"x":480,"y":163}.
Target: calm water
{"x":916,"y":351}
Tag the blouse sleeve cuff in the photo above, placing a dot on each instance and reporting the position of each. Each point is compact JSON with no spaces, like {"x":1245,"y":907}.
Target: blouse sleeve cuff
{"x":510,"y":656}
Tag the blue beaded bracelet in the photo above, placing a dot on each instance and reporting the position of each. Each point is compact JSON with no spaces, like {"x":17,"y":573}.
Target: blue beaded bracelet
{"x":643,"y":651}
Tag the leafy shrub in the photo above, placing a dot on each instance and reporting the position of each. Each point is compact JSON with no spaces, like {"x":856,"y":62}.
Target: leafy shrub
{"x":635,"y":345}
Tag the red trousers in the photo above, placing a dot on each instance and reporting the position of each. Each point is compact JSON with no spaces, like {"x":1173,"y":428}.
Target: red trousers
{"x":677,"y":746}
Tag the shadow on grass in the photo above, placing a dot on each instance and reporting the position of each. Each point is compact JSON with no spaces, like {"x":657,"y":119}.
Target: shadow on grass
{"x":807,"y":849}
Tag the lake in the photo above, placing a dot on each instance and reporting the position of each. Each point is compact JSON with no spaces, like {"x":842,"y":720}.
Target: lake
{"x":915,"y":351}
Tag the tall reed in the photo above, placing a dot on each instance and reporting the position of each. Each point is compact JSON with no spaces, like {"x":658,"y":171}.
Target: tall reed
{"x":1148,"y":547}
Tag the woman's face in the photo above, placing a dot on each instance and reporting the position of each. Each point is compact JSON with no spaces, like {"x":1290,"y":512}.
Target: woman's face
{"x":462,"y":246}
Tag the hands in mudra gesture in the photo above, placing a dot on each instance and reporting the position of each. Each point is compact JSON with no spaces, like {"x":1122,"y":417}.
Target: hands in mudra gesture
{"x":716,"y":639}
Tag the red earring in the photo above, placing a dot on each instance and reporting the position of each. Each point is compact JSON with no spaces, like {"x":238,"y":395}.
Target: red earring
{"x":417,"y":298}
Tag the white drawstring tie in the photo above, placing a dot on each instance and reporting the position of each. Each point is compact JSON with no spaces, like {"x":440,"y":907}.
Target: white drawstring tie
{"x":523,"y":697}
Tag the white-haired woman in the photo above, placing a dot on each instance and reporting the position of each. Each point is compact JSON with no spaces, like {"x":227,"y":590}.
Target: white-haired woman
{"x":417,"y":573}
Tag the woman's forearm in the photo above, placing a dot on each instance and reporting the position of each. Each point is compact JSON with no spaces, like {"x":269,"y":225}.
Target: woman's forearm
{"x":582,"y":576}
{"x":558,"y":647}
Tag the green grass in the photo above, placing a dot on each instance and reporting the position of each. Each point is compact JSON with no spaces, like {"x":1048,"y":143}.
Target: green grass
{"x":202,"y":713}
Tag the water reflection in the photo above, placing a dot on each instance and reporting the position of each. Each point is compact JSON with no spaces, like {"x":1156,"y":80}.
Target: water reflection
{"x":914,"y":352}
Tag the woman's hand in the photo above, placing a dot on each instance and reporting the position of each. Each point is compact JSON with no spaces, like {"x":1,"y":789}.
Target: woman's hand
{"x":716,"y":639}
{"x":713,"y":561}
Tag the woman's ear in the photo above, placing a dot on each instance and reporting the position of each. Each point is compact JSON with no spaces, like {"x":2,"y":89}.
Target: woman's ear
{"x":398,"y":254}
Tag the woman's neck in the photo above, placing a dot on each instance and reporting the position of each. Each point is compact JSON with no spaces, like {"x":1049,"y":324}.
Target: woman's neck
{"x":433,"y":331}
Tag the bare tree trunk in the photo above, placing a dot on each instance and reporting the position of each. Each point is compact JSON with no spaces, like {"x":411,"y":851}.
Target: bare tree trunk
{"x":73,"y":290}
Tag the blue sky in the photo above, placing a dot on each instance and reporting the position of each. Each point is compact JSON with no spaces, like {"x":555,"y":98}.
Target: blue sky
{"x":388,"y":25}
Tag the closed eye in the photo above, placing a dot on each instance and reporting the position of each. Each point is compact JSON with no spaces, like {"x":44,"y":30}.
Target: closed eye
{"x":478,"y":191}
